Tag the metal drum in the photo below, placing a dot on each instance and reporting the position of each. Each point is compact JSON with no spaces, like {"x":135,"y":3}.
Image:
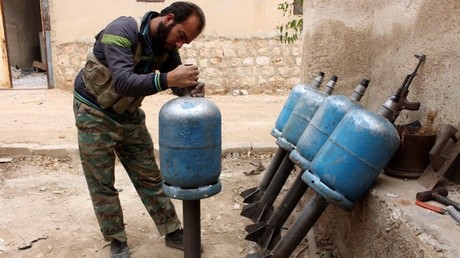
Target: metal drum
{"x":190,"y":148}
{"x":352,"y":157}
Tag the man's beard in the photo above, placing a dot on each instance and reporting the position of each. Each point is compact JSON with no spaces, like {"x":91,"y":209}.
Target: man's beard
{"x":159,"y":42}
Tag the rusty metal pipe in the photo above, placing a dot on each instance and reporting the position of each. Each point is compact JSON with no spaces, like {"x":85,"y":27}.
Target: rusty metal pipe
{"x":267,"y":234}
{"x":299,"y":229}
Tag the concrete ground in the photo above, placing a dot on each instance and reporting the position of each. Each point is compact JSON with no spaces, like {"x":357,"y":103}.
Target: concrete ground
{"x":386,"y":223}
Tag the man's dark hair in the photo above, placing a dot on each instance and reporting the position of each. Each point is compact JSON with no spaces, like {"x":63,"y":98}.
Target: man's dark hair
{"x":183,"y":10}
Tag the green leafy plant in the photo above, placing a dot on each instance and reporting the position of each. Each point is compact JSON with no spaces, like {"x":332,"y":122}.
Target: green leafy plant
{"x":289,"y":32}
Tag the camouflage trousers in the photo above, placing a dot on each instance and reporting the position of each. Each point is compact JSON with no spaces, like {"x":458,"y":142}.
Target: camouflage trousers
{"x":102,"y":139}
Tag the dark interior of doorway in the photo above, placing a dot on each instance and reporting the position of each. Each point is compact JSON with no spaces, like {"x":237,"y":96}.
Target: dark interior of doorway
{"x":25,"y":43}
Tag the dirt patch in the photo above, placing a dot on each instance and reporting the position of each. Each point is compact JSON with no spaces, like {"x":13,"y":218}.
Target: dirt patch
{"x":46,"y":211}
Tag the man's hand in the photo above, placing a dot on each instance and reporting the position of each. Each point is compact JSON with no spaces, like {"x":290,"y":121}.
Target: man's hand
{"x":183,"y":76}
{"x":199,"y":90}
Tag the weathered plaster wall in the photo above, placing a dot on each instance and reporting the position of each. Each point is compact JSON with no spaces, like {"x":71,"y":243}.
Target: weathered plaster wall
{"x":352,"y":39}
{"x":238,"y":50}
{"x":378,"y":40}
{"x":83,"y":19}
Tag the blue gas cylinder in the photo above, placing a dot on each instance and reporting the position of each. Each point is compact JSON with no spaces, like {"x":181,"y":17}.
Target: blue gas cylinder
{"x":321,"y":126}
{"x":352,"y":157}
{"x":323,"y":123}
{"x":190,"y":148}
{"x":296,"y":92}
{"x":301,"y":115}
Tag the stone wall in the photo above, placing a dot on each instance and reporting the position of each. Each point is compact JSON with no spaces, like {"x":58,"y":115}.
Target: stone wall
{"x":252,"y":65}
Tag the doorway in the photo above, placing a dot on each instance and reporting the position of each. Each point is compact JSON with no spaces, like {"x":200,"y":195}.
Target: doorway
{"x":27,"y":48}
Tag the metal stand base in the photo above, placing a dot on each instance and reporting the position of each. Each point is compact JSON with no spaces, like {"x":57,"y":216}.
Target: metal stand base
{"x":192,"y":229}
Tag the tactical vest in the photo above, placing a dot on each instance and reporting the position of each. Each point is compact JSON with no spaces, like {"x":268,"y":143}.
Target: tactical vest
{"x":98,"y":81}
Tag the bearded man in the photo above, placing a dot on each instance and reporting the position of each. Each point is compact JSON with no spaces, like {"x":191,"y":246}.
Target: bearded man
{"x":128,"y":62}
